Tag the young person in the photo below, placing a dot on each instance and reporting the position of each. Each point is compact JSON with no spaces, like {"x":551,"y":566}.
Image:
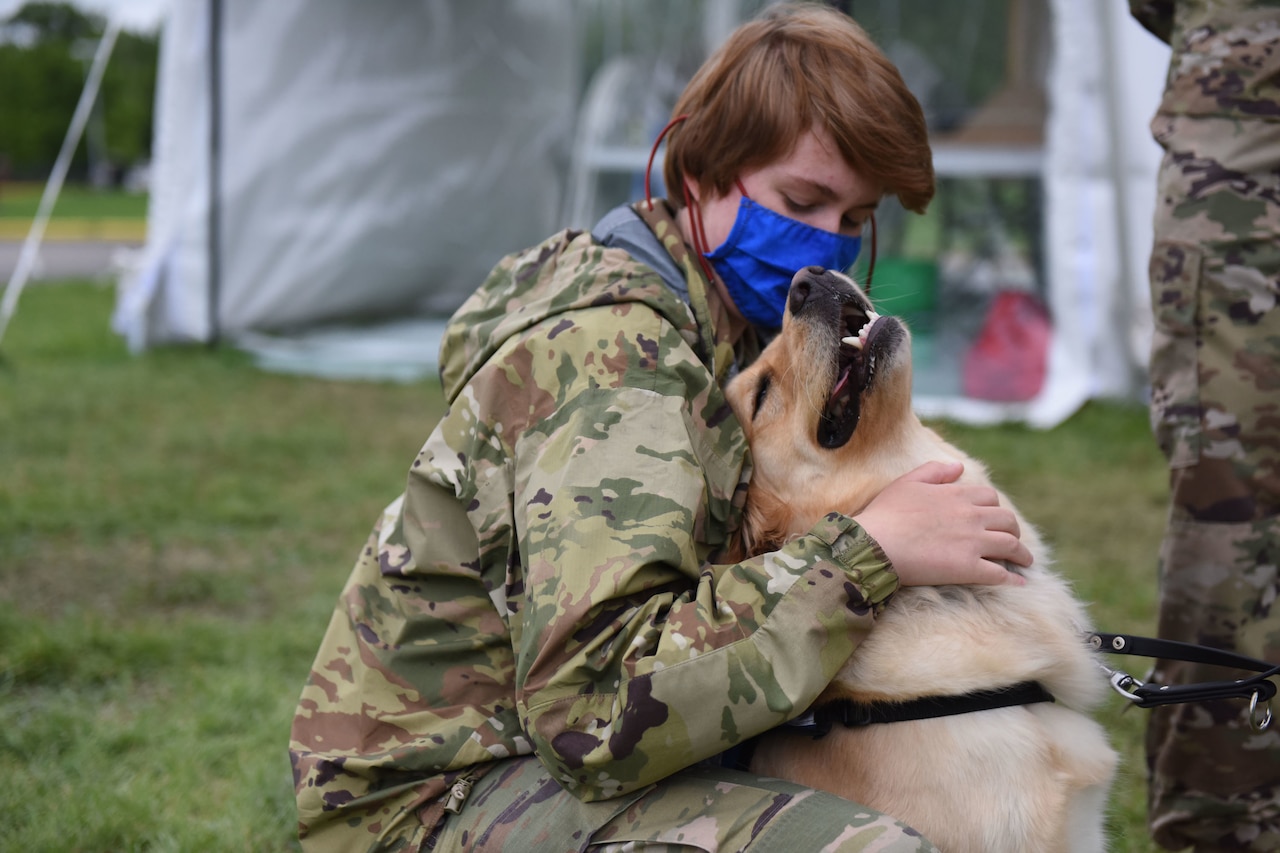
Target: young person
{"x":538,"y":648}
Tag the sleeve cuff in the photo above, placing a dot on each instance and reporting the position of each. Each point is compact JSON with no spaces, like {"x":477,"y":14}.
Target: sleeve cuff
{"x":862,"y":558}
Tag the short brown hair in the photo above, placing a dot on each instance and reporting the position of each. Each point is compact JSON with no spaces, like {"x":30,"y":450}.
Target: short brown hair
{"x":777,"y":75}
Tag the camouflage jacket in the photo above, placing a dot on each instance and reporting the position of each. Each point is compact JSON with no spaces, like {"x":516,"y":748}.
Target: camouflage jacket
{"x":1226,"y":56}
{"x":548,"y":583}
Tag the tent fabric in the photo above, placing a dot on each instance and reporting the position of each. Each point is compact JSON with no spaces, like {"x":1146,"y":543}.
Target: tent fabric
{"x":378,"y":158}
{"x":1098,"y":176}
{"x":163,"y":300}
{"x":1100,"y":179}
{"x":402,"y":350}
{"x":373,"y":158}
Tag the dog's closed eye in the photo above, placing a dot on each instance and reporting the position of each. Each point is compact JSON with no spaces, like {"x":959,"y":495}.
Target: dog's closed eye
{"x":762,"y":391}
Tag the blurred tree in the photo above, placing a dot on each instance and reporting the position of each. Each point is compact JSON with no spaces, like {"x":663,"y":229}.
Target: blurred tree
{"x":128,"y":97}
{"x":58,"y":21}
{"x":45,"y":50}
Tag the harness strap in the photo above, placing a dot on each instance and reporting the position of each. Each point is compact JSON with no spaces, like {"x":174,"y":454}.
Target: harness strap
{"x":818,"y":722}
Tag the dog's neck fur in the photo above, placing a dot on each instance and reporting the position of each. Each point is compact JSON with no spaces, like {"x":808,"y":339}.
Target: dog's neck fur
{"x":773,"y":520}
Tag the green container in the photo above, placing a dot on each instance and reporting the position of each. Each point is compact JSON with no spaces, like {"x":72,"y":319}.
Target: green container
{"x":906,"y":288}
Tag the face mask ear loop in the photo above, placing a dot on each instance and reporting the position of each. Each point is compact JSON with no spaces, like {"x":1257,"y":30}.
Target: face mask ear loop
{"x":699,"y":235}
{"x":695,"y":214}
{"x":871,"y":267}
{"x":695,"y":221}
{"x":654,"y":151}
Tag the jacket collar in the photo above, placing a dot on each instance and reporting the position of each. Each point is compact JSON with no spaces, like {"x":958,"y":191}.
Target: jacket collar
{"x":709,"y":310}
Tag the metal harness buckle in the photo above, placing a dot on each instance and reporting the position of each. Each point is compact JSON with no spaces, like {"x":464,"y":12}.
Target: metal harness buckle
{"x":1254,"y":723}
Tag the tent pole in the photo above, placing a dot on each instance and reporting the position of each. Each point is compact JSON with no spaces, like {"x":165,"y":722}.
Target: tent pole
{"x":215,"y":169}
{"x":31,"y":246}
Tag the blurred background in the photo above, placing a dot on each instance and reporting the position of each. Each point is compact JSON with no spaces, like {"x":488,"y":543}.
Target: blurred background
{"x":321,"y":184}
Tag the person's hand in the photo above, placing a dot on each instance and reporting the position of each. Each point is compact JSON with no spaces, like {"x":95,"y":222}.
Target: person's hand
{"x":937,"y":531}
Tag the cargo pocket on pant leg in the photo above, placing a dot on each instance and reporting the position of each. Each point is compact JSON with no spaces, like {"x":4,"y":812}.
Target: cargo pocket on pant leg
{"x":1175,"y":376}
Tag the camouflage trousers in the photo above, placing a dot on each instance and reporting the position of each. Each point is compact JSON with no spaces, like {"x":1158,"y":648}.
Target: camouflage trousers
{"x":518,"y":806}
{"x":1214,"y":783}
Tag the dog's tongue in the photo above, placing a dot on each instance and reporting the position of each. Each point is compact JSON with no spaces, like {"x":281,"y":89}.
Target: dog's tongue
{"x":842,"y":381}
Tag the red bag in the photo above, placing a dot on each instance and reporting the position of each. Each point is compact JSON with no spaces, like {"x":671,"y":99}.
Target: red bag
{"x":1008,"y":361}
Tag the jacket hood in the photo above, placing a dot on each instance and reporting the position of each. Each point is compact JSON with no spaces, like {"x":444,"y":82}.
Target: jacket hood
{"x":566,"y":272}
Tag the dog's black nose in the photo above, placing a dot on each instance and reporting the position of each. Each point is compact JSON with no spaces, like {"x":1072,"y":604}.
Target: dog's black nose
{"x":801,"y":287}
{"x":799,"y":296}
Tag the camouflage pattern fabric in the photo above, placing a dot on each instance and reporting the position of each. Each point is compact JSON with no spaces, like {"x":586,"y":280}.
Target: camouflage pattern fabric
{"x":518,"y":806}
{"x":546,"y":584}
{"x":1215,"y":372}
{"x":1224,"y":62}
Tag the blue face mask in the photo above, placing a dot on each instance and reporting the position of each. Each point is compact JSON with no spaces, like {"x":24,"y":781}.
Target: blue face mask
{"x":762,"y":253}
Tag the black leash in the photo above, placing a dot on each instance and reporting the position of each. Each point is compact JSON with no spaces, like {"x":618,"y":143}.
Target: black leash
{"x":818,"y":722}
{"x":1256,"y":688}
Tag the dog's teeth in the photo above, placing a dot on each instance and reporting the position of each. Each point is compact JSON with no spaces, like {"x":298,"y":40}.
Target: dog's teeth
{"x":853,"y":341}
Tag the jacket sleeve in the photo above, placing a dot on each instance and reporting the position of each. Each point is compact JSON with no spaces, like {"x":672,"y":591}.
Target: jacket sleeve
{"x":636,"y":657}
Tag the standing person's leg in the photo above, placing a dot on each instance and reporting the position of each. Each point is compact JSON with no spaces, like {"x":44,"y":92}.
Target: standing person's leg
{"x":1215,"y":373}
{"x":518,"y":806}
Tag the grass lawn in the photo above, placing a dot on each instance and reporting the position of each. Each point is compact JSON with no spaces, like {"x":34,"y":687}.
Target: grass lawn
{"x":20,"y":200}
{"x":80,"y":213}
{"x":175,"y":527}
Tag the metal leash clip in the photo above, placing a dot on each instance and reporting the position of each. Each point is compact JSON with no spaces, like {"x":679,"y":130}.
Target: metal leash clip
{"x":1254,"y":723}
{"x":1124,"y":684}
{"x":1255,"y":688}
{"x":1120,"y":681}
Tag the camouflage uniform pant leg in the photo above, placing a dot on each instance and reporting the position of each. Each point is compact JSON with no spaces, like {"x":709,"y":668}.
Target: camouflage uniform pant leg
{"x":714,"y":809}
{"x":1214,"y":783}
{"x":518,"y":806}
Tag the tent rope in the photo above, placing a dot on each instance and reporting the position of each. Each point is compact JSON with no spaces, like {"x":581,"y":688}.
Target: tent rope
{"x":31,"y":246}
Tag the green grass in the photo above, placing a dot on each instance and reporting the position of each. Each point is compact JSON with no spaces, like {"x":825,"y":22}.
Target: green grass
{"x":20,"y":201}
{"x":175,"y":528}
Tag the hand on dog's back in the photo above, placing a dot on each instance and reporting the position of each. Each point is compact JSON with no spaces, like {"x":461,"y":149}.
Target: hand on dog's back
{"x":936,"y":530}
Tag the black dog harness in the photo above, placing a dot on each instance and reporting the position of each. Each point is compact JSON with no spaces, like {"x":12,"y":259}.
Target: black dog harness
{"x":819,"y":721}
{"x":1258,"y":688}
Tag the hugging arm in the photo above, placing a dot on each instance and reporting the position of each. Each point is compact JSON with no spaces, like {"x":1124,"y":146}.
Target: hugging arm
{"x":938,"y":531}
{"x":635,"y":656}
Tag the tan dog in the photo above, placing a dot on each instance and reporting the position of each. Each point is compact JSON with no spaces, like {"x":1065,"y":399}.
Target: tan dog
{"x":827,"y":409}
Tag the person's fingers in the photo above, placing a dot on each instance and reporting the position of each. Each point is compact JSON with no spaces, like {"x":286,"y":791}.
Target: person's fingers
{"x":935,"y":530}
{"x":934,"y":472}
{"x":981,"y":495}
{"x":995,"y":574}
{"x":1000,"y":518}
{"x":1004,"y":541}
{"x":1006,"y":547}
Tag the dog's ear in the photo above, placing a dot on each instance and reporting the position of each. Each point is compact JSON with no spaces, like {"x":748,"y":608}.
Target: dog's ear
{"x":766,"y":522}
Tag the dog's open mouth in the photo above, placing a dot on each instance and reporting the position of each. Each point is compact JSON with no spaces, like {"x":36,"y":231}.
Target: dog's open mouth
{"x":855,"y":373}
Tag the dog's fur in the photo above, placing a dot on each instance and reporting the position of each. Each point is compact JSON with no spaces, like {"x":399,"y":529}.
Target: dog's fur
{"x":1020,"y":779}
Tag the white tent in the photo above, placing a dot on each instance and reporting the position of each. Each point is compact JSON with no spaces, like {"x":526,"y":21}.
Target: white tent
{"x":1097,"y":168}
{"x":1100,"y":180}
{"x":372,"y":160}
{"x":366,"y":159}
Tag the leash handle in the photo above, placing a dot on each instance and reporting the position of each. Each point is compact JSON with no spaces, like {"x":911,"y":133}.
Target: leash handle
{"x":1150,"y":647}
{"x":1255,"y":688}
